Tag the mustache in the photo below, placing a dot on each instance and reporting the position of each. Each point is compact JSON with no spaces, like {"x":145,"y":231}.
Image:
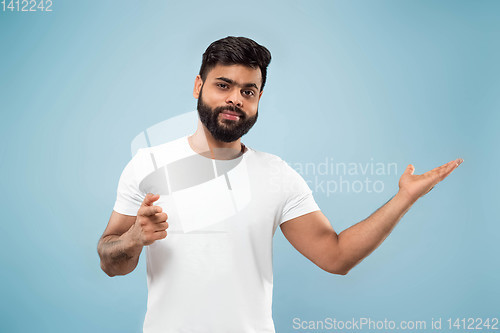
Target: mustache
{"x":236,"y":109}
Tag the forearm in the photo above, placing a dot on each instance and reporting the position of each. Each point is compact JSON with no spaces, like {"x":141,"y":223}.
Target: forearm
{"x":119,"y":254}
{"x":357,"y":242}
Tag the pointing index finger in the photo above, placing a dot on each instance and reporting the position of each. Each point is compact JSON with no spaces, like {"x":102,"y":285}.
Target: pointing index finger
{"x":149,"y":199}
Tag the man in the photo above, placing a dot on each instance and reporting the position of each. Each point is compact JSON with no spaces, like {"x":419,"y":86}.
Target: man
{"x":213,"y":272}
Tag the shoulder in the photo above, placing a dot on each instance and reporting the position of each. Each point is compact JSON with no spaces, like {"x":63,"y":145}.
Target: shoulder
{"x":264,"y":156}
{"x":270,"y":160}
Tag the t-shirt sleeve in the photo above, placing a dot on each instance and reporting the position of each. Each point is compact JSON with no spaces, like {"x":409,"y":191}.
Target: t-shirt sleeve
{"x":128,"y":195}
{"x":299,"y":199}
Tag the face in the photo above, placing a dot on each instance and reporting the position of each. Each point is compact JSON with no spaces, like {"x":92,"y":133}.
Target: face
{"x":228,"y":100}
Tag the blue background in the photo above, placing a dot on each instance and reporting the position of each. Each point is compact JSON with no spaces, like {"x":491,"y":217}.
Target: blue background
{"x":393,"y":81}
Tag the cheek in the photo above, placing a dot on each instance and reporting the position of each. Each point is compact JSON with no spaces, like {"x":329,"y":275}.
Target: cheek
{"x":214,"y":98}
{"x":252,"y":107}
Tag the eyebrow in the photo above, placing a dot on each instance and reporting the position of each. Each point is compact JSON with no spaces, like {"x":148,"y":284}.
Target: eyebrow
{"x":246,"y":85}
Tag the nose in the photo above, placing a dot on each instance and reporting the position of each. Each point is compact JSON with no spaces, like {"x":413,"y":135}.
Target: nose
{"x":234,"y":98}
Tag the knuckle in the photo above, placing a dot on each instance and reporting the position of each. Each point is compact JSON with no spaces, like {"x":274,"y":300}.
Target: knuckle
{"x":146,"y":211}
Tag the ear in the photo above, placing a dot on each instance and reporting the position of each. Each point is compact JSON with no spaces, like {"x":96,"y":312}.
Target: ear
{"x":198,"y":83}
{"x":260,"y":94}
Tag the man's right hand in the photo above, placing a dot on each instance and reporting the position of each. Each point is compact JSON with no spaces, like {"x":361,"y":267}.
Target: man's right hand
{"x":150,"y":224}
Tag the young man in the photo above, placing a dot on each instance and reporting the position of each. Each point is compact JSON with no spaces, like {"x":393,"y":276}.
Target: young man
{"x":223,"y":202}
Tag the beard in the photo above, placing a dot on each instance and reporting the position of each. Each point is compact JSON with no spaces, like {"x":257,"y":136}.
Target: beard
{"x":225,"y":130}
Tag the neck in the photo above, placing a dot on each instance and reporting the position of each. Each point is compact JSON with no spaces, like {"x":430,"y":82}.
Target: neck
{"x":203,"y":143}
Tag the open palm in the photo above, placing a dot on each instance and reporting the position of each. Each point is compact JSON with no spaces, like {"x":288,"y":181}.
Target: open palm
{"x":416,"y":186}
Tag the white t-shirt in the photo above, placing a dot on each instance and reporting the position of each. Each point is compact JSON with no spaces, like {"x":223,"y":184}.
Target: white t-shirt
{"x":213,"y":271}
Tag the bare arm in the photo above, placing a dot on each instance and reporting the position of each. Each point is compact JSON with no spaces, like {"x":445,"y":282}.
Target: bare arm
{"x":118,"y":252}
{"x":357,"y":242}
{"x":121,"y":243}
{"x":313,"y":236}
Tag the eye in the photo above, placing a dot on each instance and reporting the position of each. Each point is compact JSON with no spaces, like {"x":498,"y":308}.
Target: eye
{"x":222,"y":85}
{"x":248,"y":93}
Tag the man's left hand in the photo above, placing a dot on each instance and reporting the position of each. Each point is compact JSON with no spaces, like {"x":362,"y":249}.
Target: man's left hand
{"x":416,"y":186}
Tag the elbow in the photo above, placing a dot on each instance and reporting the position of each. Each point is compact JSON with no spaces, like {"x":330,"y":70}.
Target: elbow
{"x":112,"y":271}
{"x":339,"y":268}
{"x":106,"y":270}
{"x":343,"y":271}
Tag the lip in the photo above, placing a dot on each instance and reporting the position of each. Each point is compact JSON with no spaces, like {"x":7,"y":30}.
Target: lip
{"x":233,"y":113}
{"x":230,"y":116}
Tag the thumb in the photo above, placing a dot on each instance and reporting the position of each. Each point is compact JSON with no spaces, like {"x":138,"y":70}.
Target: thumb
{"x":409,"y":170}
{"x":149,"y":199}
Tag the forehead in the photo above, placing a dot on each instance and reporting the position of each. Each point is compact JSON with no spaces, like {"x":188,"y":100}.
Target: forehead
{"x":239,"y":73}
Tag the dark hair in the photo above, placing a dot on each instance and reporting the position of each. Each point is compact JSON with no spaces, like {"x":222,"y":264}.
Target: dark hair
{"x":236,"y":51}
